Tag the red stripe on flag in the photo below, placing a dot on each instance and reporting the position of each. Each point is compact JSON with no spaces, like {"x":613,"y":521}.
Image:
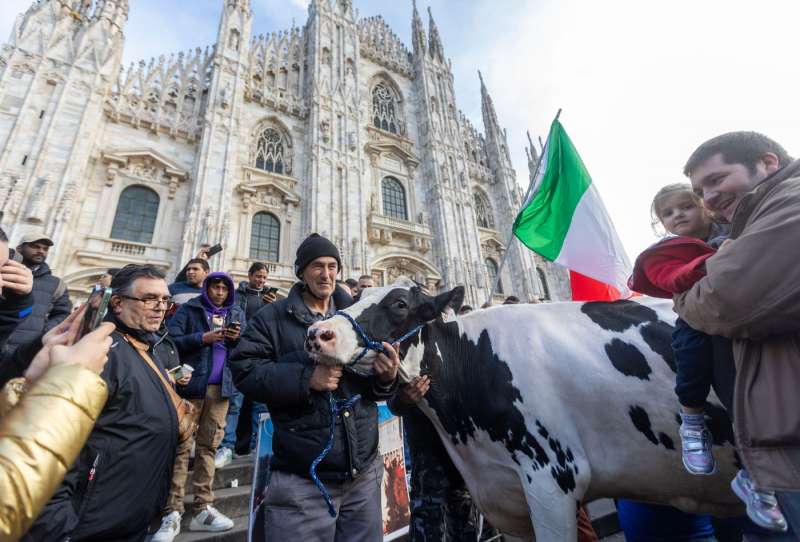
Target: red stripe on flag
{"x":588,"y":289}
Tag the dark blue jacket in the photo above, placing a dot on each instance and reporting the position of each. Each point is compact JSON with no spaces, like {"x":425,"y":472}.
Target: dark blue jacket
{"x":186,"y":329}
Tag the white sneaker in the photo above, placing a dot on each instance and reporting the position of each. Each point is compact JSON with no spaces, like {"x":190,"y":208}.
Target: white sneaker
{"x":223,"y":457}
{"x":170,"y":528}
{"x":212,"y":520}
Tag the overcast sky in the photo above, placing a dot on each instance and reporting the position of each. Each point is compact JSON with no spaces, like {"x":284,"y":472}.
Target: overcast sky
{"x":641,"y":84}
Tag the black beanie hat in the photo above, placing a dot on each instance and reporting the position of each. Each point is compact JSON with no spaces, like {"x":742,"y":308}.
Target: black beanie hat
{"x":314,"y":246}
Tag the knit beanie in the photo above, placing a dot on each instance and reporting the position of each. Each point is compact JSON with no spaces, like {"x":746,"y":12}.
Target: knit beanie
{"x":314,"y":246}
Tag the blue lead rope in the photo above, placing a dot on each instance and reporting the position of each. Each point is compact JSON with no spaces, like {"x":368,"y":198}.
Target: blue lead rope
{"x":336,"y":407}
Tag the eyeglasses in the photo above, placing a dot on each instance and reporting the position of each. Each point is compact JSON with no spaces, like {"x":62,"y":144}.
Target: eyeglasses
{"x":153,"y":303}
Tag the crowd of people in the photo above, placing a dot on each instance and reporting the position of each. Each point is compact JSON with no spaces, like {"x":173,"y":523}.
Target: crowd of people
{"x":185,"y":370}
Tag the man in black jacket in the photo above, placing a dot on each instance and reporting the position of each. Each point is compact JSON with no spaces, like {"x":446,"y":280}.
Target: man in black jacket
{"x":271,"y":365}
{"x":51,"y":303}
{"x":121,"y":479}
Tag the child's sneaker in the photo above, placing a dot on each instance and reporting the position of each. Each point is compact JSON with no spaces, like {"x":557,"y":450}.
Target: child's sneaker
{"x":762,"y":506}
{"x":696,"y":446}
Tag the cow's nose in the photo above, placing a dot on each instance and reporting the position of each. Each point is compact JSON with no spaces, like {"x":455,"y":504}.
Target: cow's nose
{"x":327,"y":335}
{"x":312,"y":333}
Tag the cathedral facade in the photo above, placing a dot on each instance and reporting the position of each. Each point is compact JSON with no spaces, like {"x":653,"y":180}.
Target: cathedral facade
{"x":254,"y":142}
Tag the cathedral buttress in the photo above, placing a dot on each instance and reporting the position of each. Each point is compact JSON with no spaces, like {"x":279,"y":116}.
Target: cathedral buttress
{"x":216,"y":164}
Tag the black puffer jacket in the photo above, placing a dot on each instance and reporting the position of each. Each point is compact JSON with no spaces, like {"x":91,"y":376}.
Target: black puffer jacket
{"x":121,"y":479}
{"x":47,"y":312}
{"x":13,"y":308}
{"x":270,"y":366}
{"x":249,"y":299}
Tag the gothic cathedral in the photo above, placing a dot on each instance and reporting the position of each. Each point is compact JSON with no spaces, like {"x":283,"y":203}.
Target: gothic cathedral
{"x":255,"y":142}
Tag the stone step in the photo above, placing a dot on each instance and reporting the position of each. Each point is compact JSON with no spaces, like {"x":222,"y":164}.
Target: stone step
{"x":603,"y":514}
{"x":237,"y":534}
{"x":240,"y":470}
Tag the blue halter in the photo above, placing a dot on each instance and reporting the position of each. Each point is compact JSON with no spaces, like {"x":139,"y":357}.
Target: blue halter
{"x":369,"y":344}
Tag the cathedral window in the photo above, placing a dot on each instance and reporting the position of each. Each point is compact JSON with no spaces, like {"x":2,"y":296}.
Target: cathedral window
{"x":384,"y":109}
{"x":136,"y":215}
{"x":265,"y":237}
{"x":483,"y":211}
{"x":491,"y":270}
{"x":270,"y":152}
{"x":394,"y":199}
{"x":543,"y":282}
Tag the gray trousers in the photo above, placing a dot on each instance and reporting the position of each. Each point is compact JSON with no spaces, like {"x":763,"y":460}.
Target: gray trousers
{"x":295,"y":510}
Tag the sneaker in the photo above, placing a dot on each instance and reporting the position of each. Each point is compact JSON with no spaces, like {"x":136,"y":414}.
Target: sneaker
{"x":696,"y":444}
{"x":170,"y":528}
{"x":212,"y":520}
{"x":762,"y":506}
{"x":223,"y":457}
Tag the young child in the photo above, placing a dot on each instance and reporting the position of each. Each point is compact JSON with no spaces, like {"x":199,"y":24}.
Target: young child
{"x":672,"y":266}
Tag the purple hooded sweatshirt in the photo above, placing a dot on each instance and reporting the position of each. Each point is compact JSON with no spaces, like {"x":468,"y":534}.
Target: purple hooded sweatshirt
{"x":220,"y":350}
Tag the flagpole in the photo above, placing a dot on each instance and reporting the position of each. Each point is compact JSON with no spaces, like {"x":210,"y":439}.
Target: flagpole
{"x":524,"y":201}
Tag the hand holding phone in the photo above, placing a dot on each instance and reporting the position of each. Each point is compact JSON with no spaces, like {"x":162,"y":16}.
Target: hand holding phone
{"x":96,"y":308}
{"x":270,"y":295}
{"x":233,"y":331}
{"x":16,"y":277}
{"x":216,"y":249}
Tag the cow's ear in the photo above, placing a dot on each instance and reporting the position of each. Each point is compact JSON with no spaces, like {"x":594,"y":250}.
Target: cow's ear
{"x":453,"y":299}
{"x":430,"y":308}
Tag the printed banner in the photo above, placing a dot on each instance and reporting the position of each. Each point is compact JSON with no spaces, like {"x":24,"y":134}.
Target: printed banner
{"x":394,"y":490}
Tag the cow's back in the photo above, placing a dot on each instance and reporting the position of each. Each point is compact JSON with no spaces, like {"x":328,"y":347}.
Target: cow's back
{"x":584,"y":391}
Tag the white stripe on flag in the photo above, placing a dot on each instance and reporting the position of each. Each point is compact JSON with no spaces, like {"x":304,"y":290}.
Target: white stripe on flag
{"x":592,"y":246}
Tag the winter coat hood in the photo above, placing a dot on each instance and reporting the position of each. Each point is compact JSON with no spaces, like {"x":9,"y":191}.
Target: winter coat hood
{"x":231,"y":295}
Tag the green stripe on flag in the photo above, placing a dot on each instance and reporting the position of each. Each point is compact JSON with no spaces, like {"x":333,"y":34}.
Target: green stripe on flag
{"x":543,"y":223}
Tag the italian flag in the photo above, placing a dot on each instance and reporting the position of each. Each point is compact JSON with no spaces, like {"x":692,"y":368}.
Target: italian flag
{"x":565,"y":221}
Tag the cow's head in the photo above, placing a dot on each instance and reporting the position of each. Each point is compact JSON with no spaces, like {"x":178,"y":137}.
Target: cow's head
{"x":384,"y":314}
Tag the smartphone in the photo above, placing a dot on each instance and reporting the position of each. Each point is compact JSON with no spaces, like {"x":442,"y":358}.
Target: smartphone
{"x":214,"y":250}
{"x":272,"y":290}
{"x":96,"y":308}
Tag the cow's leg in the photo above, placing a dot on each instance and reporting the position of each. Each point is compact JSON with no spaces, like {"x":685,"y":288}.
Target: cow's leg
{"x":553,"y":512}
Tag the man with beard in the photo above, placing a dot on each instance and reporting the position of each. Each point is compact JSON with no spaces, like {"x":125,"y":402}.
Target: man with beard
{"x":51,"y":304}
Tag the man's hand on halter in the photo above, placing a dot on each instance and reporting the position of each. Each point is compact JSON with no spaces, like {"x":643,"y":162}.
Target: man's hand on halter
{"x":325,"y":377}
{"x":386,"y":365}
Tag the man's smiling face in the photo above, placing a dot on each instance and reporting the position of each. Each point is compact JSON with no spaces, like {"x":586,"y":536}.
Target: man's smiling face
{"x":723,"y":185}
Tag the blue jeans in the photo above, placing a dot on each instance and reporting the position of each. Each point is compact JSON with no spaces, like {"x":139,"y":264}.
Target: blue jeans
{"x":232,"y":420}
{"x":694,"y":360}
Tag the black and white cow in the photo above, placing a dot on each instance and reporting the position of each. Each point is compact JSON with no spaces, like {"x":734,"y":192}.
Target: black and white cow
{"x":544,"y":406}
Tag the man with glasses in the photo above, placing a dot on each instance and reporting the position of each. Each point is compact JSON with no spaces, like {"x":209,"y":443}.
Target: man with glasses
{"x":121,"y":479}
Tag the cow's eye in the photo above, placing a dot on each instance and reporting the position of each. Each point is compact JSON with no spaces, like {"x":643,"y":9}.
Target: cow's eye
{"x":400,"y":305}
